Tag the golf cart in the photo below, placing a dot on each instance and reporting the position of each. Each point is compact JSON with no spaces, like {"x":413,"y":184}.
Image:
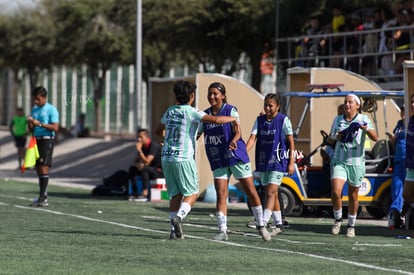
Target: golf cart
{"x":310,"y":184}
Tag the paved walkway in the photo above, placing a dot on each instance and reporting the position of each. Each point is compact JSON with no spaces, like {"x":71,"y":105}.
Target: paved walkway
{"x":77,"y":162}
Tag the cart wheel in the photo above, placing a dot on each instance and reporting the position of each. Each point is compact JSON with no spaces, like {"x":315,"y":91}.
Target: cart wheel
{"x":289,"y":200}
{"x":376,"y":212}
{"x":381,"y":210}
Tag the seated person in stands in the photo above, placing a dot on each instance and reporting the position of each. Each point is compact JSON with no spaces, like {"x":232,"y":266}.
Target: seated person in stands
{"x":80,"y":130}
{"x":147,"y":165}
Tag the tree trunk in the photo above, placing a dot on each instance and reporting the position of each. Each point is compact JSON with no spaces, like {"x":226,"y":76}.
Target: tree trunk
{"x":98,"y":80}
{"x":97,"y":113}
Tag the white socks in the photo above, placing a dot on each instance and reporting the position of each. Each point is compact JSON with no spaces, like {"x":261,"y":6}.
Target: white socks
{"x":351,"y":220}
{"x":337,"y":214}
{"x":221,"y":221}
{"x":185,"y":208}
{"x":266,"y":215}
{"x":277,"y":217}
{"x":258,"y":215}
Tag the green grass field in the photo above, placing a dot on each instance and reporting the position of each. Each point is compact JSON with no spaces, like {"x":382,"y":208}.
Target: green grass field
{"x":82,"y":234}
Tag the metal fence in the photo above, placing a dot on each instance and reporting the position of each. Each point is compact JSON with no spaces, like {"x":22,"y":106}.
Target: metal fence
{"x":71,"y":91}
{"x":362,"y":57}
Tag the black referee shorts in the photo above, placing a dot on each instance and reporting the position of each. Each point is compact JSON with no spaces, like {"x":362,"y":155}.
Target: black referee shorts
{"x":45,"y":146}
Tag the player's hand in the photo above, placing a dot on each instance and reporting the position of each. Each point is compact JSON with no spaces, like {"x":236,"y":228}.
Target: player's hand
{"x":233,"y":145}
{"x":291,"y":169}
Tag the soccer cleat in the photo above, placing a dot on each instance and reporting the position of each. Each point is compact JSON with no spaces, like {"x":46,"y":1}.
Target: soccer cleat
{"x":137,"y":198}
{"x":252,"y":224}
{"x":172,"y":235}
{"x":222,"y":236}
{"x":276,"y":230}
{"x":40,"y":202}
{"x":43,"y":203}
{"x":178,"y":231}
{"x":131,"y":198}
{"x":264,"y":233}
{"x":336,"y":228}
{"x":141,"y":198}
{"x":350,"y":232}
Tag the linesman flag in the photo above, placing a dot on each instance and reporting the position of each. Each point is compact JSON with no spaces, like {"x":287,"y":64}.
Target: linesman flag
{"x":31,"y":156}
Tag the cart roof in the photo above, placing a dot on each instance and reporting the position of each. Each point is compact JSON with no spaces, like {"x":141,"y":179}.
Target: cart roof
{"x":375,"y":94}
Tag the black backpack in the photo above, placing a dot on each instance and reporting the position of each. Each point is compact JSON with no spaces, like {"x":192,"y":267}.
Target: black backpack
{"x":115,"y":184}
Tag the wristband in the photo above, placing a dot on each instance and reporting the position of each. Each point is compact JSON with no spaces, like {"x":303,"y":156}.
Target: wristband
{"x":40,"y":125}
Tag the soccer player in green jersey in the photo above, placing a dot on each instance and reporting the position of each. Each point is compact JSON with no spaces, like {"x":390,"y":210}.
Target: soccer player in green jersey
{"x":18,"y":129}
{"x":348,"y":162}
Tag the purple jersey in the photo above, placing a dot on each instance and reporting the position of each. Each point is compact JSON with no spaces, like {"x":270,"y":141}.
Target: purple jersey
{"x":272,"y":152}
{"x":217,"y":138}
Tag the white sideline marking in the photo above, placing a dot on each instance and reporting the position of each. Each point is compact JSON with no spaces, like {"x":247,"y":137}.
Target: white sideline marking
{"x":376,"y":245}
{"x":211,"y":240}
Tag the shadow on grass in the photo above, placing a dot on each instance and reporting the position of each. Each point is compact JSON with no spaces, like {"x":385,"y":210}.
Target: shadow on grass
{"x":206,"y":209}
{"x":86,"y":196}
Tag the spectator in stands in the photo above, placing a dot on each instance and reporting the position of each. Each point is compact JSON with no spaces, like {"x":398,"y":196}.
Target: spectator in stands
{"x":147,"y":165}
{"x":386,"y":43}
{"x":401,"y":40}
{"x":338,"y":19}
{"x":266,"y":69}
{"x":369,"y":45}
{"x":388,"y":21}
{"x":338,"y":25}
{"x":377,"y":18}
{"x":387,"y":63}
{"x":409,"y":5}
{"x":353,"y":42}
{"x":369,"y":21}
{"x":313,"y":45}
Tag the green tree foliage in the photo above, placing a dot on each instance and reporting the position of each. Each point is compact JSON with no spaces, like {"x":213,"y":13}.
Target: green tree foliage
{"x":91,"y":32}
{"x":100,"y":33}
{"x":27,"y":42}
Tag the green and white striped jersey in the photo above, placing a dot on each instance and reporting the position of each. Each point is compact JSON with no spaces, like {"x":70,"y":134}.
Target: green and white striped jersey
{"x":350,"y":153}
{"x":181,"y":126}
